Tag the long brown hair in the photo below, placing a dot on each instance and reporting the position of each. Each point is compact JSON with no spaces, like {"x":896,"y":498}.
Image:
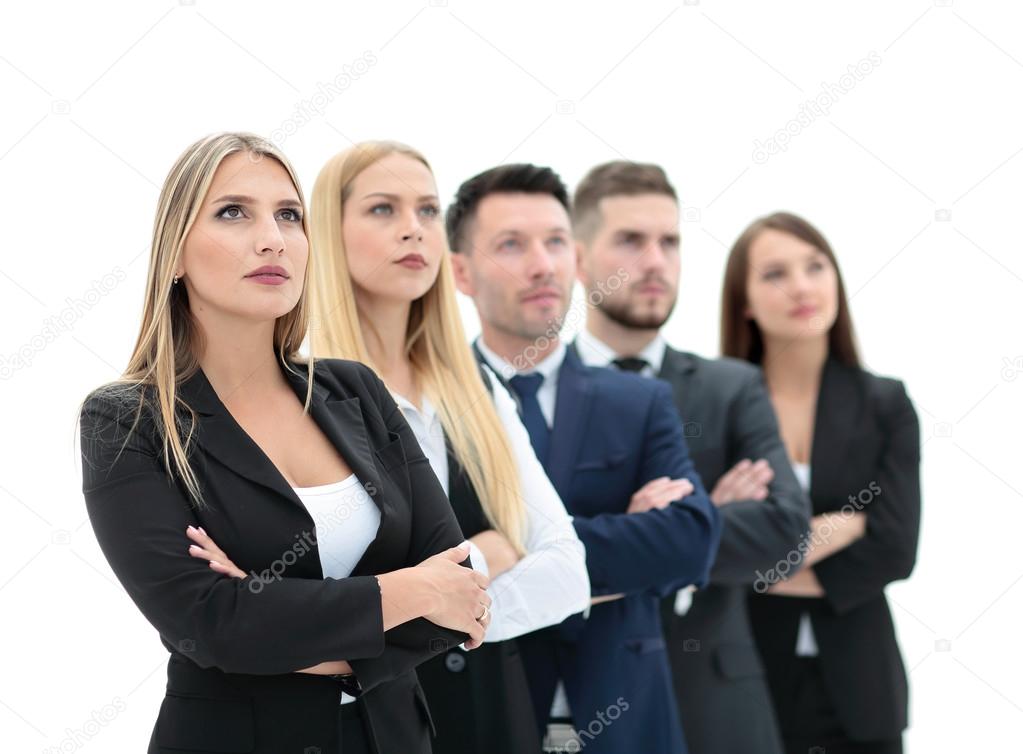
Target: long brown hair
{"x":740,"y":335}
{"x":170,"y":341}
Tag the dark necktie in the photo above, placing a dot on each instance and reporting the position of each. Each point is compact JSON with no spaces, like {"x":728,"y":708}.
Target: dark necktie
{"x":631,"y":364}
{"x":525,"y":387}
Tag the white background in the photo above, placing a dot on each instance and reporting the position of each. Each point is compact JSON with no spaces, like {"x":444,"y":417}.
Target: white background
{"x":99,"y":98}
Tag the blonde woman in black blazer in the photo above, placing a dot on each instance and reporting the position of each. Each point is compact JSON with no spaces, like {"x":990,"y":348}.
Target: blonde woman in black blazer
{"x":825,"y":631}
{"x":271,"y":663}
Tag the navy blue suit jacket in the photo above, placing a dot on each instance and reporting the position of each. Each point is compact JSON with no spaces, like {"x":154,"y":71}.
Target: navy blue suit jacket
{"x":613,"y":432}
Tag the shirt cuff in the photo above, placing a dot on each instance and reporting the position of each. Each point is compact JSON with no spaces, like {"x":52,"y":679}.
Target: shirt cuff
{"x":479,"y":561}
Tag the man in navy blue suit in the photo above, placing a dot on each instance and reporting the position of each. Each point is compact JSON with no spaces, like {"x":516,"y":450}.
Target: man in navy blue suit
{"x":612,"y":444}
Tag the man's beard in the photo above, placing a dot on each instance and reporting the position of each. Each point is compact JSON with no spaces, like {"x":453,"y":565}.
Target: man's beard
{"x":510,"y":321}
{"x":622,"y":314}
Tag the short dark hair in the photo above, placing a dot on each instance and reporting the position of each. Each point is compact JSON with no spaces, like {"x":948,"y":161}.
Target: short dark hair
{"x":504,"y":179}
{"x":617,"y":178}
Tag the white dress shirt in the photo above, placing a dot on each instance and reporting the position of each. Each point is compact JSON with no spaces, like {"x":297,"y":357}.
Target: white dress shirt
{"x":806,"y":642}
{"x":596,"y":353}
{"x":550,"y":367}
{"x":551,"y":582}
{"x":546,"y":394}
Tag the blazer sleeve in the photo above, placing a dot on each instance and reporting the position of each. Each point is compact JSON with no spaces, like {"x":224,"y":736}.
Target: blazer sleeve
{"x":887,"y":552}
{"x":139,"y":516}
{"x":664,"y":549}
{"x":434,"y":529}
{"x":757,"y":534}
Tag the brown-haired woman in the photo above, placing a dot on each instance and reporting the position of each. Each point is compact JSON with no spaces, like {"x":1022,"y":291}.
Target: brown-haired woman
{"x":825,"y":631}
{"x":218,"y":426}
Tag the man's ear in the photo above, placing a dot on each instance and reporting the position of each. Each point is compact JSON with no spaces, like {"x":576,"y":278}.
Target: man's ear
{"x":580,"y":267}
{"x":460,"y":269}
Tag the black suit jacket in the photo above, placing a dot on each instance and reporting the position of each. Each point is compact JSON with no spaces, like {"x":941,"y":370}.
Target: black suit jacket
{"x":234,"y":643}
{"x":723,"y":697}
{"x":866,"y":448}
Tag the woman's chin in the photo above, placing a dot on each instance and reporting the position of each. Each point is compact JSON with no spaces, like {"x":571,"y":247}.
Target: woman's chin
{"x":268,"y":311}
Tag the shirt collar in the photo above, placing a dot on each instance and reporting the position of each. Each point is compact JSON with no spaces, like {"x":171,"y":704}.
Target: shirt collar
{"x":428,"y":412}
{"x":547,"y":367}
{"x":596,"y":353}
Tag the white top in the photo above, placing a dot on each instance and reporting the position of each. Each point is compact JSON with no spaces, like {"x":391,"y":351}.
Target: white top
{"x":802,"y":472}
{"x":596,"y":353}
{"x":806,"y":642}
{"x":346,"y":520}
{"x":551,"y":582}
{"x":550,"y":368}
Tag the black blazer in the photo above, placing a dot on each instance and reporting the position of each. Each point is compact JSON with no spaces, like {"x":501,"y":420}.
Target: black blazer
{"x":866,"y":447}
{"x":723,"y":697}
{"x":234,"y":643}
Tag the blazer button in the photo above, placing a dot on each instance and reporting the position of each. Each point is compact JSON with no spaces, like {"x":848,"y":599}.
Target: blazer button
{"x":454,"y":661}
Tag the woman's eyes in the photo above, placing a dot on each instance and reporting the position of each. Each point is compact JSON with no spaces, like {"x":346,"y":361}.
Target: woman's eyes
{"x":231,"y":208}
{"x":234,"y":212}
{"x":812,"y":267}
{"x":385,"y":209}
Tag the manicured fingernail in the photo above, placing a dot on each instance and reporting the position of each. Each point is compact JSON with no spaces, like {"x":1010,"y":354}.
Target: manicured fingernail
{"x":193,"y":547}
{"x":202,"y":530}
{"x":190,"y":528}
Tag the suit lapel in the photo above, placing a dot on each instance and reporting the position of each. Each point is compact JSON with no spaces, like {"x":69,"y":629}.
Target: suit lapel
{"x":838,"y":405}
{"x":339,"y":418}
{"x":571,"y":407}
{"x":677,"y":370}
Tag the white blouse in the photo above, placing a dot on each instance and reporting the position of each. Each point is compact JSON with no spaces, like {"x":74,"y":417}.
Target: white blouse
{"x":806,"y":642}
{"x":551,"y":582}
{"x":346,"y":520}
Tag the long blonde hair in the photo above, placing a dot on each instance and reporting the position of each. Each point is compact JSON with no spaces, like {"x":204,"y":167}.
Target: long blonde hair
{"x":170,"y":340}
{"x":435,"y":343}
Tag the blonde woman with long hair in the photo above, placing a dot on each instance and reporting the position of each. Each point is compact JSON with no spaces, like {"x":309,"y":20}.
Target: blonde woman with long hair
{"x":385,"y":295}
{"x":305,"y":470}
